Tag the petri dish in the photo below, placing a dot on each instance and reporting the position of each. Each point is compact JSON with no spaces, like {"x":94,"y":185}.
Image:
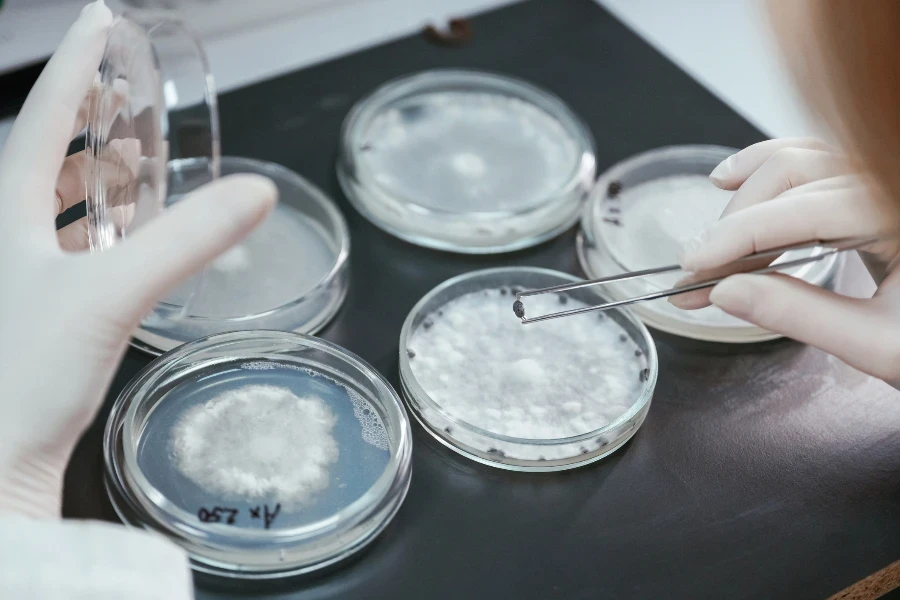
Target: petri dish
{"x":262,"y":454}
{"x":466,"y":161}
{"x":539,"y":397}
{"x":637,"y":215}
{"x":289,"y":274}
{"x":153,"y":137}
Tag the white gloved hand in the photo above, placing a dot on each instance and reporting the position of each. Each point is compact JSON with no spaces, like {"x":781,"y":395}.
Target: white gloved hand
{"x":799,"y":190}
{"x":65,"y":318}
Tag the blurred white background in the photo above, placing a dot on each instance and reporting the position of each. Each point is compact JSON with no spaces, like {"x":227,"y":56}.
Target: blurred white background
{"x":724,"y":44}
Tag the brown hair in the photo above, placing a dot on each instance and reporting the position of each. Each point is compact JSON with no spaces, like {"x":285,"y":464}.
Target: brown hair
{"x":845,"y":56}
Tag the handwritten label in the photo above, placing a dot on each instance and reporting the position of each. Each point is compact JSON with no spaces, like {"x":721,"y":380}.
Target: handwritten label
{"x":229,"y":516}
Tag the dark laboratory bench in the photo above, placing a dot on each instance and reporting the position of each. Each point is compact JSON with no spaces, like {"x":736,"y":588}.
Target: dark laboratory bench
{"x":762,"y":471}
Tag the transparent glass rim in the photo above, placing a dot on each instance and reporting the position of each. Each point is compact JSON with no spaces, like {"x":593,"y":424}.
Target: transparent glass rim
{"x":123,"y":430}
{"x":352,"y":171}
{"x":588,"y":238}
{"x":338,"y":227}
{"x":419,"y":395}
{"x":95,"y":188}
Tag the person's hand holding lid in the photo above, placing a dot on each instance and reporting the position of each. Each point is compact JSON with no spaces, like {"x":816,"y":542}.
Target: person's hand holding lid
{"x":66,"y":316}
{"x":791,"y":191}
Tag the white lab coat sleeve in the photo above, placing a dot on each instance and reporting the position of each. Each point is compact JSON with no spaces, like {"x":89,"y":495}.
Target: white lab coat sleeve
{"x":88,"y":560}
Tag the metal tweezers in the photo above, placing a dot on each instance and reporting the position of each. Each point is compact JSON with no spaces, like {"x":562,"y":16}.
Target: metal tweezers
{"x":830,"y":248}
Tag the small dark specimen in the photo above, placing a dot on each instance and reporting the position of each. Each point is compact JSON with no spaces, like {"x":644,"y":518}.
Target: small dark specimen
{"x":458,"y":33}
{"x":645,"y":374}
{"x":637,"y":352}
{"x":410,"y":353}
{"x":503,"y":291}
{"x":448,"y":430}
{"x":614,"y":189}
{"x":563,"y":299}
{"x":496,"y":452}
{"x":541,"y":458}
{"x":602,"y":441}
{"x":440,"y":313}
{"x":584,"y":450}
{"x":623,"y":337}
{"x":612,"y":221}
{"x":427,"y":323}
{"x":615,"y":210}
{"x":519,"y":309}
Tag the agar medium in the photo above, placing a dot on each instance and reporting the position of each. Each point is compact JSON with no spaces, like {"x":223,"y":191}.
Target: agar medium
{"x":288,"y":274}
{"x":638,"y":214}
{"x":537,"y":398}
{"x":466,"y":161}
{"x":152,"y":138}
{"x":263,"y":454}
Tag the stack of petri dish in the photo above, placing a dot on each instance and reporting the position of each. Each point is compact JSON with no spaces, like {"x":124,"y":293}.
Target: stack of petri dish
{"x":153,"y":137}
{"x":636,"y":217}
{"x":466,"y":161}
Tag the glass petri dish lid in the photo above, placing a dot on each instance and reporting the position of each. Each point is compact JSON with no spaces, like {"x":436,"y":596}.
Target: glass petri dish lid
{"x":466,"y":161}
{"x":525,"y":398}
{"x":635,"y":219}
{"x":153,"y":137}
{"x":262,"y":454}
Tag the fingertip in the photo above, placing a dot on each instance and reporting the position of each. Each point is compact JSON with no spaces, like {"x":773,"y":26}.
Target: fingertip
{"x":251,"y":197}
{"x":735,"y":295}
{"x":723,"y":176}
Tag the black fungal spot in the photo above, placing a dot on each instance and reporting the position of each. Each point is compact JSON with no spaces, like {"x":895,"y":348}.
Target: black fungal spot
{"x":519,"y":309}
{"x":448,"y":430}
{"x":427,"y":323}
{"x":615,"y":210}
{"x":612,"y":221}
{"x":410,"y":353}
{"x":623,"y":337}
{"x":584,"y":450}
{"x":602,"y":441}
{"x":541,"y":458}
{"x":645,"y":374}
{"x":614,"y":189}
{"x":503,"y":291}
{"x":563,"y":299}
{"x":637,"y":352}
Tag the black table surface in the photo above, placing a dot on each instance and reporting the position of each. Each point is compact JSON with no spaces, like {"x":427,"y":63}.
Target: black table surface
{"x":762,"y":471}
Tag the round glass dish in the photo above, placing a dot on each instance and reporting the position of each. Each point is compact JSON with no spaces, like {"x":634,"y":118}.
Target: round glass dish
{"x":153,"y":137}
{"x":262,"y":454}
{"x":154,"y":102}
{"x":636,"y":217}
{"x":289,"y":274}
{"x":466,"y":161}
{"x":442,"y":412}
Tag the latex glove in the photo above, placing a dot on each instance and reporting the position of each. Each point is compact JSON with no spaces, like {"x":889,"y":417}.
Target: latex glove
{"x":65,"y":317}
{"x":791,"y":191}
